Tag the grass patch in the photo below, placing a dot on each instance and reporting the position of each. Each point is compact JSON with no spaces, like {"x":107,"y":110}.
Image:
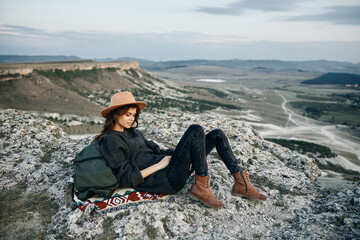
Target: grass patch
{"x":352,"y":177}
{"x":345,"y":118}
{"x":150,"y":230}
{"x":111,"y":69}
{"x":69,"y":75}
{"x":165,"y":221}
{"x":215,"y":104}
{"x":108,"y":232}
{"x":74,"y":89}
{"x":216,"y":92}
{"x":177,"y":89}
{"x":272,"y":97}
{"x":132,"y":72}
{"x":353,"y":98}
{"x":265,"y":182}
{"x":311,"y":97}
{"x":139,"y":93}
{"x":19,"y":210}
{"x":9,"y":75}
{"x":122,"y":214}
{"x":305,"y":147}
{"x":189,"y":104}
{"x":347,"y":174}
{"x":46,"y":158}
{"x":337,"y":113}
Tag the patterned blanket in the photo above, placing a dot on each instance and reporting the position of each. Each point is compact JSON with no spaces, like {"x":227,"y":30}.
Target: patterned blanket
{"x":120,"y":199}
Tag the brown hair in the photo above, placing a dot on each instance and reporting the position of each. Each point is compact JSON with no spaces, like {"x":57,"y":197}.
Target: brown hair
{"x":110,"y":119}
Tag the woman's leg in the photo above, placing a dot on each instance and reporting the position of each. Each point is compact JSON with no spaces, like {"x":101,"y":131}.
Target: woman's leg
{"x":190,"y":150}
{"x":242,"y":185}
{"x":193,"y":148}
{"x":218,"y":139}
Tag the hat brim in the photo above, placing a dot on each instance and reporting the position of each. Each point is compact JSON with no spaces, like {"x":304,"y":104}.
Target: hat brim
{"x":106,"y":111}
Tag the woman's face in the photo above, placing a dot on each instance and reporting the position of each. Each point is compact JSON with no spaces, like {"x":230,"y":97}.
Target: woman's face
{"x":126,"y":120}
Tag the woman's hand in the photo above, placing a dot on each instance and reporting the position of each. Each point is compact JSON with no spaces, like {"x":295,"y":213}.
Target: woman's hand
{"x":156,"y":167}
{"x":164,"y":162}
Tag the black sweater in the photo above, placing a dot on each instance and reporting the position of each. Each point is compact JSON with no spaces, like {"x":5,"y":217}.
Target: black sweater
{"x":129,"y":152}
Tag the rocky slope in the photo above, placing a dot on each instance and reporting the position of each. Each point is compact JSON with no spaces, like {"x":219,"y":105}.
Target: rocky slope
{"x":79,"y":87}
{"x":36,"y":163}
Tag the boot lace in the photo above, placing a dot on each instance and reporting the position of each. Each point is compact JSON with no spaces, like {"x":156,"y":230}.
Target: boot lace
{"x":246,"y":176}
{"x":208,"y":182}
{"x":208,"y":186}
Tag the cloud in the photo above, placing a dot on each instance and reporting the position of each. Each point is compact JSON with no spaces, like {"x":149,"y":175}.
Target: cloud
{"x":238,"y":7}
{"x":21,"y":31}
{"x":175,"y":36}
{"x":195,"y":38}
{"x":220,"y":10}
{"x":267,"y":6}
{"x":349,"y":15}
{"x":166,"y":46}
{"x":28,"y":32}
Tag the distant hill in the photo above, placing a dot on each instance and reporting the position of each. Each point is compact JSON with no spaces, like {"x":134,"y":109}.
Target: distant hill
{"x":310,"y":66}
{"x":161,"y":66}
{"x":84,"y":87}
{"x":144,"y":63}
{"x":38,"y":58}
{"x":69,"y":87}
{"x":335,"y":78}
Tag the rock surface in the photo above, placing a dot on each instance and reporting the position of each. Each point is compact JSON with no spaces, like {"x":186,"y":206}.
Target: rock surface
{"x":36,"y":159}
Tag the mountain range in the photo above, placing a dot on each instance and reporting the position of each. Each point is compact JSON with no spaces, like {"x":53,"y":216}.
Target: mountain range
{"x":149,"y":65}
{"x":335,"y":78}
{"x":37,"y":58}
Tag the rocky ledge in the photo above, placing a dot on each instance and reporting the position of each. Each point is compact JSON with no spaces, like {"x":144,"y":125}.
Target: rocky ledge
{"x":36,"y":163}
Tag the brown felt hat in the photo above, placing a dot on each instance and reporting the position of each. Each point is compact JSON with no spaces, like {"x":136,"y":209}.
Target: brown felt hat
{"x":121,"y":99}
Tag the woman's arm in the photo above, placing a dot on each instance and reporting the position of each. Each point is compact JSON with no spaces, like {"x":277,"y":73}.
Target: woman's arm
{"x":155,"y":147}
{"x":115,"y":153}
{"x":156,"y":167}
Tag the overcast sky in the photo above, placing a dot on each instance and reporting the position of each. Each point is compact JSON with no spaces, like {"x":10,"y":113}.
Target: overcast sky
{"x":183,"y":29}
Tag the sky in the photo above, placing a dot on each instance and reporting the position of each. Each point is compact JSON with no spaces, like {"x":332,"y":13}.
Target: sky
{"x":164,"y":30}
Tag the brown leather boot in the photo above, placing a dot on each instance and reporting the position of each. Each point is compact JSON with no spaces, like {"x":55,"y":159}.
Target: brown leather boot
{"x":202,"y":191}
{"x":243,"y":187}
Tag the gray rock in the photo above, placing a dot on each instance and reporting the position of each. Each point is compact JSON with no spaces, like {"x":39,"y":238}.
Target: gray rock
{"x":39,"y":155}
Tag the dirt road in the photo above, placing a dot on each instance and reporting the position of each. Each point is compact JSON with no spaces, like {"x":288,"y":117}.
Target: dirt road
{"x":299,"y":127}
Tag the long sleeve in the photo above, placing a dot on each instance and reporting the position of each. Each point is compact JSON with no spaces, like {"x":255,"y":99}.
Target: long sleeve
{"x":116,"y":154}
{"x":127,"y":153}
{"x":155,"y":147}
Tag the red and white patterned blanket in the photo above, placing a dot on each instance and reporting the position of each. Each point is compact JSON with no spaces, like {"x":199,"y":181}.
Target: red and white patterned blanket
{"x":121,"y":198}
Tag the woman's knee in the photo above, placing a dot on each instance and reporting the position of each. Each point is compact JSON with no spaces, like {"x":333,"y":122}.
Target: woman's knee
{"x":218,"y":133}
{"x":197,"y":128}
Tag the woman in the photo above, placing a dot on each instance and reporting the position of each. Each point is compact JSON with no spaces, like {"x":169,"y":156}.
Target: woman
{"x":142,"y":165}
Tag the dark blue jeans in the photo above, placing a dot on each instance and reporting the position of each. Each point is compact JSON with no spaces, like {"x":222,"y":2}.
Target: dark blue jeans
{"x":193,"y":148}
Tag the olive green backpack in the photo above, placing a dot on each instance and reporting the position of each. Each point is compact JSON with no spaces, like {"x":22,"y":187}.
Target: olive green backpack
{"x":92,"y":174}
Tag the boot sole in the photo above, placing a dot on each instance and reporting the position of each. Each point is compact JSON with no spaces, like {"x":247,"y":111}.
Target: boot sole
{"x":246,"y":197}
{"x":195,"y":198}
